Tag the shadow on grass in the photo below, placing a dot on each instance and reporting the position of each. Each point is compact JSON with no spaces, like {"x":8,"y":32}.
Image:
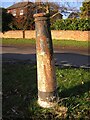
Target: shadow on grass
{"x":76,"y":90}
{"x":19,"y":89}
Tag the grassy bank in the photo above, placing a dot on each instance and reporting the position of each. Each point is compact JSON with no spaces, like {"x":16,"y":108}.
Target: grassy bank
{"x":73,"y":43}
{"x":20,"y":93}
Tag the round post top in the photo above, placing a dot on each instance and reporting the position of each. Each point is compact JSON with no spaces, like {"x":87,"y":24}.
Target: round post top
{"x":41,"y":15}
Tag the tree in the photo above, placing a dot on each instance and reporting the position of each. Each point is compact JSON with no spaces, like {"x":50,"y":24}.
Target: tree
{"x":85,"y":9}
{"x":51,"y":7}
{"x":6,"y":19}
{"x":26,"y":22}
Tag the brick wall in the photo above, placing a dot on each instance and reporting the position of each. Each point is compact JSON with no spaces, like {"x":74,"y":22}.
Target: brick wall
{"x":56,"y":34}
{"x":30,"y":34}
{"x":12,"y":34}
{"x":71,"y":35}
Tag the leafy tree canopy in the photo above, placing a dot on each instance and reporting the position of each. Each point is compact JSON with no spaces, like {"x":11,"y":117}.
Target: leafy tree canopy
{"x":6,"y":19}
{"x":85,"y":9}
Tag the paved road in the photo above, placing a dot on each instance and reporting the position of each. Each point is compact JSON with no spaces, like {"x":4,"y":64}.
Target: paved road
{"x":62,"y":56}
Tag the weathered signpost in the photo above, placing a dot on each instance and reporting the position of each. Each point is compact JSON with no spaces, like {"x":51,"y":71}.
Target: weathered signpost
{"x":47,"y":86}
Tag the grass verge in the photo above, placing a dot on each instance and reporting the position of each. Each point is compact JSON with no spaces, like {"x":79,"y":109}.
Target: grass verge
{"x":18,"y":41}
{"x":20,"y":93}
{"x":72,"y":43}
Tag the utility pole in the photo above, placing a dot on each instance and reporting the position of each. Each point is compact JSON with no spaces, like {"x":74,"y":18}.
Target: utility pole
{"x":47,"y":85}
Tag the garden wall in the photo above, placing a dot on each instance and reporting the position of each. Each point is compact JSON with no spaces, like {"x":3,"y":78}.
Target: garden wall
{"x":56,"y":34}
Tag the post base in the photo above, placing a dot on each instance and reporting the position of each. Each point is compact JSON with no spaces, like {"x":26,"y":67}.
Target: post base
{"x":46,"y":104}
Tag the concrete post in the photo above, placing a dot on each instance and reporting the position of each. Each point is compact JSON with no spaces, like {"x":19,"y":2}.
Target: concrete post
{"x":47,"y":94}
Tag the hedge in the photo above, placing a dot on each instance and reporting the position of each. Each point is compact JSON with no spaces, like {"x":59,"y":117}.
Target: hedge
{"x":71,"y":24}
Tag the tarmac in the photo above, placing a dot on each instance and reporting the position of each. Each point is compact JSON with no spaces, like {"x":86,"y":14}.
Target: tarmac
{"x":65,"y":56}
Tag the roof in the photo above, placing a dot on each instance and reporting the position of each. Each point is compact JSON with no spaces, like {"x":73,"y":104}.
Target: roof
{"x":19,"y":5}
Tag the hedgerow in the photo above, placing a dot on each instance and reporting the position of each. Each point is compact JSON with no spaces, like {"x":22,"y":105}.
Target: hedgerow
{"x":72,"y":24}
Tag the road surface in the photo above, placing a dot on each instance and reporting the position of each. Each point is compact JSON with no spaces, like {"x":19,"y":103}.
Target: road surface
{"x":62,"y":55}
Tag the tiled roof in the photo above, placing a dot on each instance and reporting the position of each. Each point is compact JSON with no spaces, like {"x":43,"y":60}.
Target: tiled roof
{"x":19,"y":5}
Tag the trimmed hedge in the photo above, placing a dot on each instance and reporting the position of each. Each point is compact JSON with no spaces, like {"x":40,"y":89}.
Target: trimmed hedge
{"x":71,"y":24}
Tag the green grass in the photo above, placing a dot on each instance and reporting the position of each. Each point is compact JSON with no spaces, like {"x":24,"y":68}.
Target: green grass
{"x":20,"y":93}
{"x":72,"y":43}
{"x":18,"y":41}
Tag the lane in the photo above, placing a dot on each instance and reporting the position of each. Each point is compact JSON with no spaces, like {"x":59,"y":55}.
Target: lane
{"x":32,"y":49}
{"x":61,"y":56}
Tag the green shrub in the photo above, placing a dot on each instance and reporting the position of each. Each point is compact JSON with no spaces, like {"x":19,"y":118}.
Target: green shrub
{"x":72,"y":24}
{"x":67,"y":23}
{"x":59,"y":25}
{"x":84,"y":24}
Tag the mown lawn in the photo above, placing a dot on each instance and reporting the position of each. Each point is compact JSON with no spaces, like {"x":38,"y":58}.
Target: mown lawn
{"x":18,"y":41}
{"x":20,"y":93}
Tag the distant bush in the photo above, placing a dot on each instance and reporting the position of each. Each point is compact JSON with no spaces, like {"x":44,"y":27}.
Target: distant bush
{"x":72,"y":24}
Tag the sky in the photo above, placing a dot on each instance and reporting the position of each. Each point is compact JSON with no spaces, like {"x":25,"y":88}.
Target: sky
{"x":7,"y":3}
{"x":73,"y":3}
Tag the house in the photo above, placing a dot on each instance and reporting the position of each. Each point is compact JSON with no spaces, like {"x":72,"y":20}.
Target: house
{"x":20,"y":8}
{"x":23,"y":14}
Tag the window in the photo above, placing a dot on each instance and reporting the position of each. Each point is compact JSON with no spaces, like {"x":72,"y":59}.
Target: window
{"x":21,"y":12}
{"x":14,"y":13}
{"x":8,"y":11}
